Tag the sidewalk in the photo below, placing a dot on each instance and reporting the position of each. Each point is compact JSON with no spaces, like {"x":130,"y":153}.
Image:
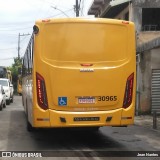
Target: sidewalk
{"x":146,"y":121}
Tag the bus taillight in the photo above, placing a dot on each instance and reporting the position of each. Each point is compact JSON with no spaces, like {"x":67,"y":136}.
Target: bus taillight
{"x":128,"y":91}
{"x":41,"y":92}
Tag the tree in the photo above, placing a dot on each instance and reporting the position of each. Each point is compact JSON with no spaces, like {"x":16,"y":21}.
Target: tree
{"x":14,"y":69}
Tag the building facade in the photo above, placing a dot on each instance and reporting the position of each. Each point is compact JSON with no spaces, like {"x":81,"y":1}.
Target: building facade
{"x":145,"y":15}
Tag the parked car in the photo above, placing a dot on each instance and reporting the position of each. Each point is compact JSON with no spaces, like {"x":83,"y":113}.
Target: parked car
{"x":8,"y":89}
{"x":2,"y":98}
{"x":12,"y":91}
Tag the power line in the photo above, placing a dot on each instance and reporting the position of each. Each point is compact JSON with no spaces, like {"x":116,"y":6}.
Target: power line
{"x":17,"y":23}
{"x":7,"y":58}
{"x":44,"y":1}
{"x":6,"y":48}
{"x":23,"y":39}
{"x":16,"y":29}
{"x":60,"y":13}
{"x":8,"y":34}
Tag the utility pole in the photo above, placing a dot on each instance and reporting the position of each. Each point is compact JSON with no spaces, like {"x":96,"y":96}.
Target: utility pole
{"x":19,"y":42}
{"x":77,"y":8}
{"x":19,"y":46}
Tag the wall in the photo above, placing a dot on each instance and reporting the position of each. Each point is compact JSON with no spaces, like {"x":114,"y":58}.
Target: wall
{"x":146,"y":3}
{"x":136,"y":13}
{"x":137,"y":10}
{"x":148,"y":60}
{"x":144,"y":81}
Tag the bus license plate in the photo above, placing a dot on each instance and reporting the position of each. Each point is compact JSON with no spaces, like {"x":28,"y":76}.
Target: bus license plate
{"x":86,"y":119}
{"x":86,"y":100}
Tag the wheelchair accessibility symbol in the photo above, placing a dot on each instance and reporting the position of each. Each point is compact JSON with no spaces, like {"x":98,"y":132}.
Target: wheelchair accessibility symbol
{"x":62,"y":101}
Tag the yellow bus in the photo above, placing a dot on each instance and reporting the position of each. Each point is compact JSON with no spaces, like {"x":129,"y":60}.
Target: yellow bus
{"x":80,"y":72}
{"x":19,"y":85}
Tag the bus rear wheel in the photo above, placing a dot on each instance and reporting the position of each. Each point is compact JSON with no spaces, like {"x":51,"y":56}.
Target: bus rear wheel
{"x":8,"y":102}
{"x":1,"y":107}
{"x":29,"y":127}
{"x":4,"y":105}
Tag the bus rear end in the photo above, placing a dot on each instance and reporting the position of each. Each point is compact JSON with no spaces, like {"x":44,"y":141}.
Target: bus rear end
{"x":84,"y":73}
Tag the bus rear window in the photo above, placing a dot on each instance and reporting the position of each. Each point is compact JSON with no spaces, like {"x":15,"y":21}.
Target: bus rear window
{"x":84,"y":42}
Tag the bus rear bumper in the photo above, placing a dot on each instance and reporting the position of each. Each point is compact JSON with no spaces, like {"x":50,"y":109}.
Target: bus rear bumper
{"x":53,"y":118}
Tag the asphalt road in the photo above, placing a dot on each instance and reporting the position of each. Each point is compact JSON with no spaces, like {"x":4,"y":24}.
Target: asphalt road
{"x":72,"y":143}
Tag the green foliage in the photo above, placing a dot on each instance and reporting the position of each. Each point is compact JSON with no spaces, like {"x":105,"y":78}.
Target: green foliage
{"x":14,"y":69}
{"x":17,"y":63}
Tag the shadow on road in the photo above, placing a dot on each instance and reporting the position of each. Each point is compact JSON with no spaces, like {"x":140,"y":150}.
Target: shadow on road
{"x":55,"y":139}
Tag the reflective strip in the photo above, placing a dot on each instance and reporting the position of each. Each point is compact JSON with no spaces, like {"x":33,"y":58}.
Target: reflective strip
{"x":43,"y":119}
{"x":126,"y":118}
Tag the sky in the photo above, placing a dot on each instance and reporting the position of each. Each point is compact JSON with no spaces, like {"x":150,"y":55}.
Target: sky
{"x":18,"y":16}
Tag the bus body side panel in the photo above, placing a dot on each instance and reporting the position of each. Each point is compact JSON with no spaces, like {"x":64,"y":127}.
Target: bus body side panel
{"x":24,"y":92}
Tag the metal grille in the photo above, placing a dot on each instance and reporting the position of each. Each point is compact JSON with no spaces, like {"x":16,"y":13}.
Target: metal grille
{"x":155,"y":90}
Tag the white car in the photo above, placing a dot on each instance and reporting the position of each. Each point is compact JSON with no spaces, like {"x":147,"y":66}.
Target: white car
{"x":8,"y":89}
{"x":2,"y":98}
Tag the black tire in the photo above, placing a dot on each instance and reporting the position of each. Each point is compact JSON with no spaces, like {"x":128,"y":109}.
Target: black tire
{"x":11,"y":100}
{"x":22,"y":101}
{"x":29,"y":127}
{"x":1,"y":107}
{"x":8,"y":102}
{"x":4,"y":105}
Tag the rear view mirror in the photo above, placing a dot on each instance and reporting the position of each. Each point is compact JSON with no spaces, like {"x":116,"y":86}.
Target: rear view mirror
{"x":11,"y":85}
